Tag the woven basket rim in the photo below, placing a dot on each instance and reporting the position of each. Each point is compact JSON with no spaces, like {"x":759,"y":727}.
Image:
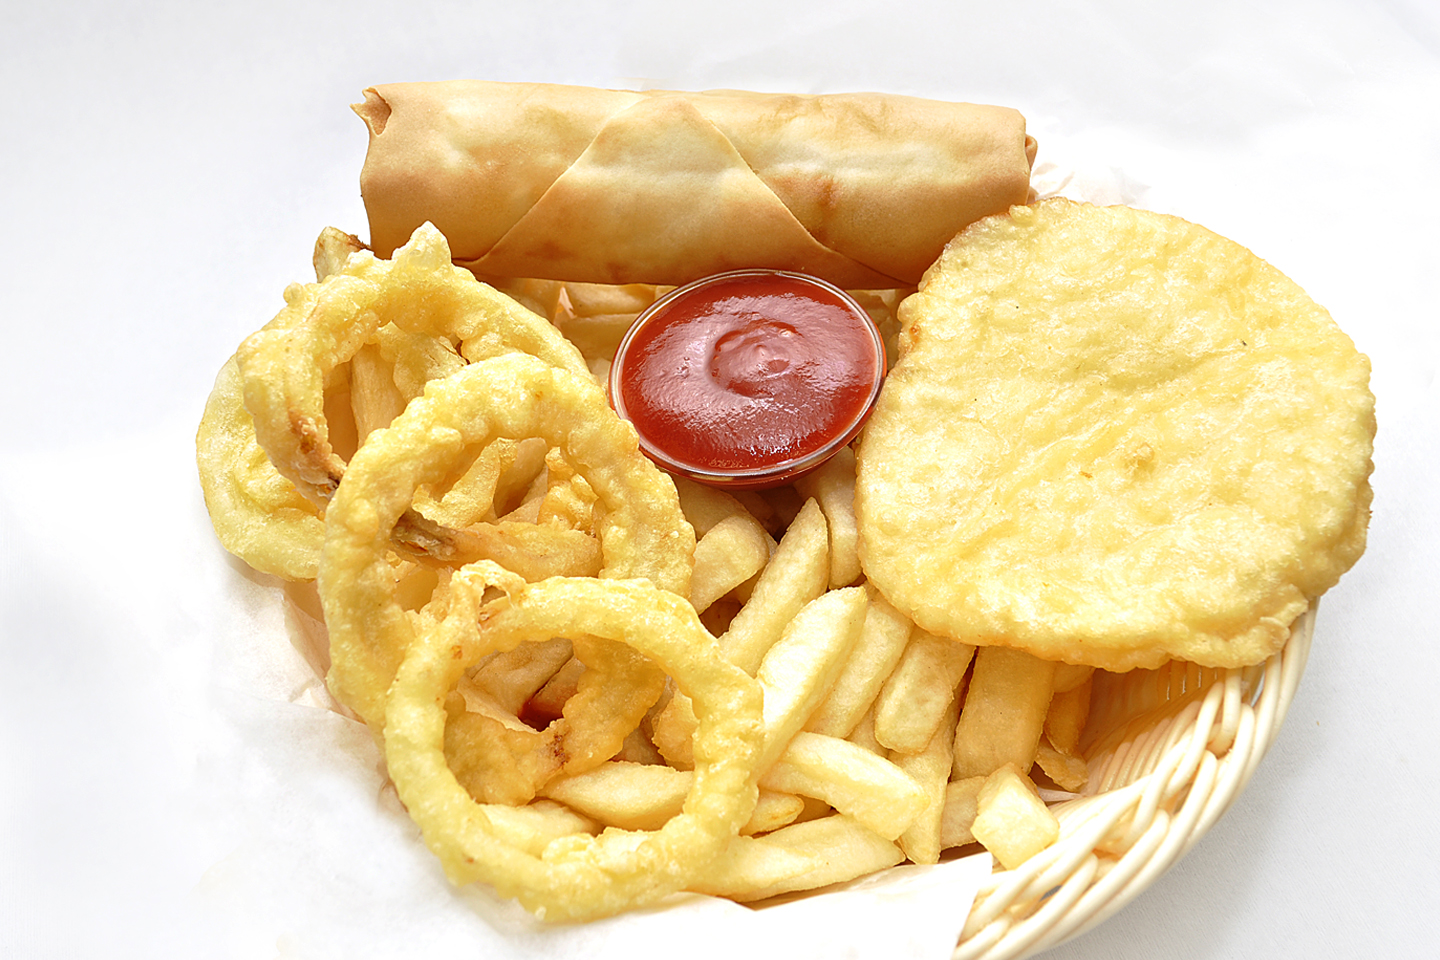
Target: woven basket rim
{"x":1162,"y":772}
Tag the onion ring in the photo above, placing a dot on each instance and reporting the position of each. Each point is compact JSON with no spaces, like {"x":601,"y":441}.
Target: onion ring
{"x":642,"y":532}
{"x":258,"y":515}
{"x":252,"y":471}
{"x":578,"y":877}
{"x":325,"y":324}
{"x":501,"y":760}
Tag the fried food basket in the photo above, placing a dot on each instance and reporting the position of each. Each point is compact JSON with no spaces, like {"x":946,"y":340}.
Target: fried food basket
{"x":1168,"y":751}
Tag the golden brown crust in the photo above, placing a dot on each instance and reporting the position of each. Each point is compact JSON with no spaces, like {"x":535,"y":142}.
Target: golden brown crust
{"x":614,"y":186}
{"x":1114,"y":437}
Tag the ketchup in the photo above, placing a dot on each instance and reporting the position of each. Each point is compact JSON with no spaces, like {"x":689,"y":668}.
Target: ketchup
{"x":748,"y":379}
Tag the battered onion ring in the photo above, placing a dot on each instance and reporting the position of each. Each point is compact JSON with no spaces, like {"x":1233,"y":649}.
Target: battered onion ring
{"x":325,"y":324}
{"x":578,"y":877}
{"x":642,"y":532}
{"x":507,"y":763}
{"x":257,"y":514}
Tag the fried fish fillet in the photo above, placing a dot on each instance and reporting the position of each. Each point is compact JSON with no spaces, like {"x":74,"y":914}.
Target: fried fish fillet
{"x":1114,"y":437}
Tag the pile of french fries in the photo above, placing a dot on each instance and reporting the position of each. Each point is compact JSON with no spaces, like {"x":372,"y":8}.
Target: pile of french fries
{"x":883,"y":742}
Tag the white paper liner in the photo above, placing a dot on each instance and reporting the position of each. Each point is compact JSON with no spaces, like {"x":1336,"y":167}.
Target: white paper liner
{"x":911,"y":911}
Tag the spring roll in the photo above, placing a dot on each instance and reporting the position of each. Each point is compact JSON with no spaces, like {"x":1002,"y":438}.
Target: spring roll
{"x":612,"y":186}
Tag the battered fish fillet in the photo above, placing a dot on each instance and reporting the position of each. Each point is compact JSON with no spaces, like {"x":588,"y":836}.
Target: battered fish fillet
{"x":1114,"y":438}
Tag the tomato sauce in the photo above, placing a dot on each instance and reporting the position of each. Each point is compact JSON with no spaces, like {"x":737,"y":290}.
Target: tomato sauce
{"x":748,"y":378}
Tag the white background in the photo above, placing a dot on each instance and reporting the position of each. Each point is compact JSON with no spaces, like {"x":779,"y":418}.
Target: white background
{"x":165,"y":168}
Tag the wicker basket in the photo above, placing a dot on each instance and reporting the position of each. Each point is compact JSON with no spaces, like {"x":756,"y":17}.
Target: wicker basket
{"x":1169,"y":750}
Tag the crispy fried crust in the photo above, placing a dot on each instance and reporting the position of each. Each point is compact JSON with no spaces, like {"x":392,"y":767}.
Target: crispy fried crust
{"x":1114,"y":437}
{"x":612,"y":186}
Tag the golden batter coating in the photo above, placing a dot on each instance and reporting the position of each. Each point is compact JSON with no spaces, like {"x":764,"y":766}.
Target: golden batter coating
{"x":1114,"y":437}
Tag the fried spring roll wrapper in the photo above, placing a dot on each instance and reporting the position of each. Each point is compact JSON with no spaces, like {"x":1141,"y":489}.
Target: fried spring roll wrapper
{"x":610,"y":186}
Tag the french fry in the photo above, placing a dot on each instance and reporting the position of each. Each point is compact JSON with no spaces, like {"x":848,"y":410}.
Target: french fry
{"x":706,"y":506}
{"x":1065,"y":720}
{"x":631,"y":796}
{"x":538,"y":296}
{"x":374,"y":398}
{"x":802,"y":856}
{"x":1068,"y":676}
{"x":914,"y":698}
{"x":881,"y":305}
{"x":597,"y":299}
{"x":882,"y":641}
{"x":864,"y":734}
{"x":1010,"y":820}
{"x":513,"y":677}
{"x":796,"y":674}
{"x":599,"y":369}
{"x":800,"y":668}
{"x":595,"y":316}
{"x":1004,"y":712}
{"x":962,"y":801}
{"x":796,"y":575}
{"x":832,"y":485}
{"x":469,"y":496}
{"x":773,"y":811}
{"x":758,"y":865}
{"x":641,"y":796}
{"x":930,"y":769}
{"x":1069,"y":772}
{"x":729,"y":553}
{"x":527,"y":509}
{"x":856,"y":782}
{"x":517,"y":476}
{"x":596,"y":337}
{"x":531,"y":827}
